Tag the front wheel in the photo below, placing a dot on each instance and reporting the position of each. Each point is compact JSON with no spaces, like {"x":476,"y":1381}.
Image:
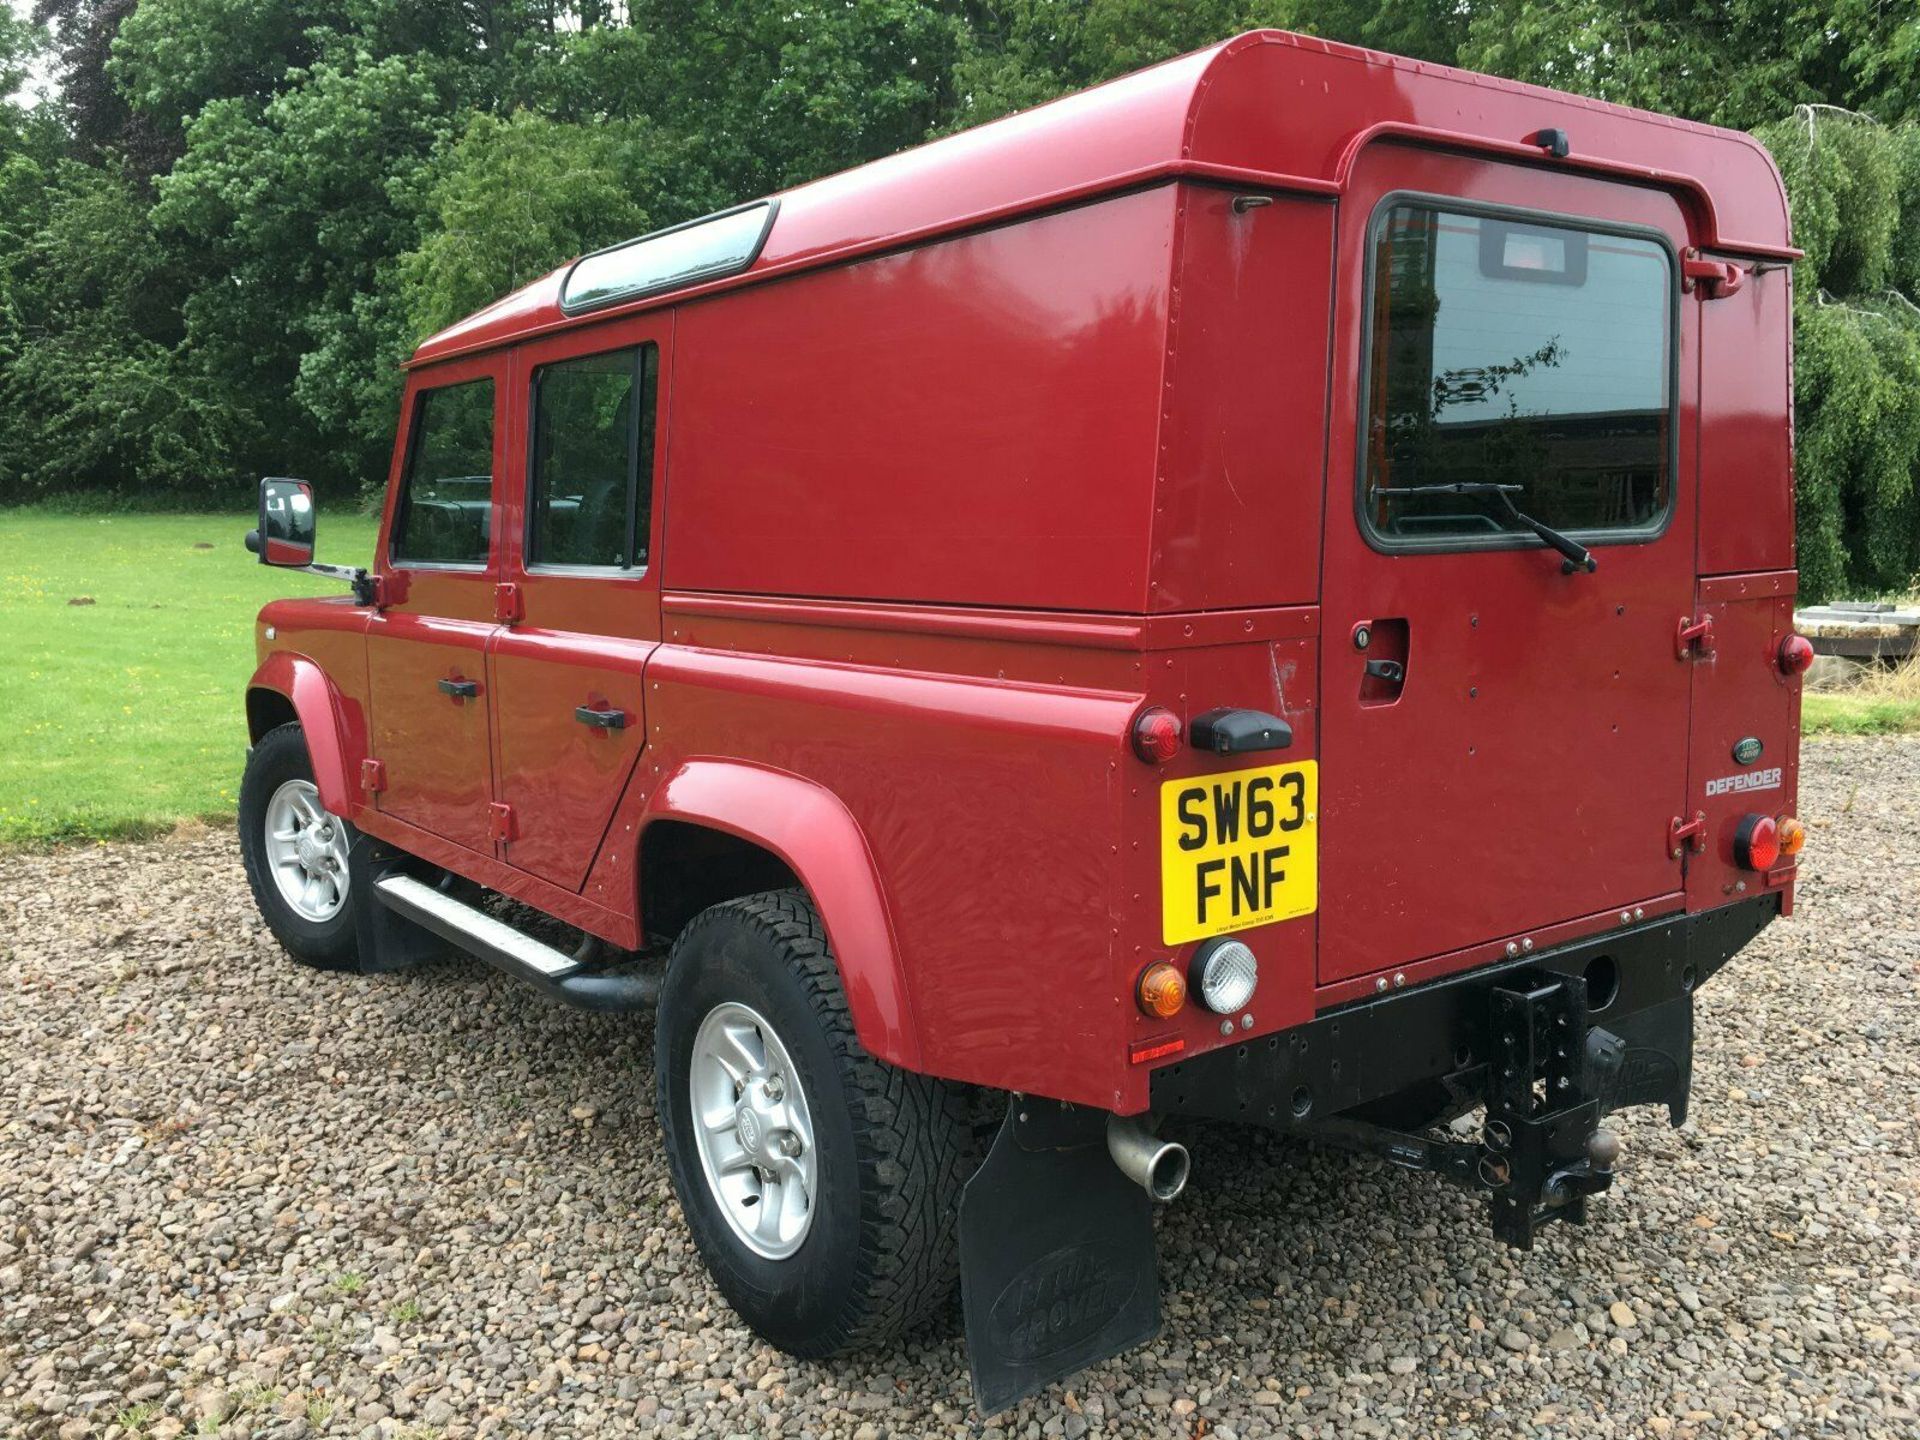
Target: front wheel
{"x":821,"y":1186}
{"x":296,"y":854}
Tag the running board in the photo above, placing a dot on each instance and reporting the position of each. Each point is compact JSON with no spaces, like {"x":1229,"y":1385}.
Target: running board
{"x":515,"y":952}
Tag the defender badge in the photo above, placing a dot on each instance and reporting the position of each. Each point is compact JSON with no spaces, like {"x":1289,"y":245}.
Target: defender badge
{"x":1748,"y":750}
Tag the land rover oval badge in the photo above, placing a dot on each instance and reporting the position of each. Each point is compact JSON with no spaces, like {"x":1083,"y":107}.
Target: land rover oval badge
{"x":1748,"y":750}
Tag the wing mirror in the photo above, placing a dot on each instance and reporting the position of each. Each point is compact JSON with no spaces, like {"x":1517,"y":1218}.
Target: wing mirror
{"x":287,"y":523}
{"x":285,"y":536}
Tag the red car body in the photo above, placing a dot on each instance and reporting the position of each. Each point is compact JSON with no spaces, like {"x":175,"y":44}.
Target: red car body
{"x":1002,"y":439}
{"x":998,"y":444}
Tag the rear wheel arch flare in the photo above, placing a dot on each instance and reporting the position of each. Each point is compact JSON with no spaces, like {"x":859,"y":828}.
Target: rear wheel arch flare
{"x":776,"y":823}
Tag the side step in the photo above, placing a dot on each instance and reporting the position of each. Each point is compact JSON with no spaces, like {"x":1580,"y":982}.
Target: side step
{"x":513,"y":951}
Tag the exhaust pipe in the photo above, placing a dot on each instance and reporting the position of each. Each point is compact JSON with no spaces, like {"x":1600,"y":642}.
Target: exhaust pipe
{"x":1157,"y":1166}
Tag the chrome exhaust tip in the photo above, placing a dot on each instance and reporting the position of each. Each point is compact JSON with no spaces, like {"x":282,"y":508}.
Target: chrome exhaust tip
{"x":1160,"y":1167}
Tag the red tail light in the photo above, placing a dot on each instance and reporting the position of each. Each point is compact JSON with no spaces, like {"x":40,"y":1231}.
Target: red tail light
{"x":1756,"y":843}
{"x":1156,"y":735}
{"x":1796,"y":655}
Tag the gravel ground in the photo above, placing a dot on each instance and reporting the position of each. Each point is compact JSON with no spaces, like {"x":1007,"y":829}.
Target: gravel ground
{"x":242,"y":1197}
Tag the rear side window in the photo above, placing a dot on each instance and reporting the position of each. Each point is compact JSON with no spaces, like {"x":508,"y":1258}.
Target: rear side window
{"x":1510,"y":352}
{"x":591,"y":473}
{"x":446,"y":508}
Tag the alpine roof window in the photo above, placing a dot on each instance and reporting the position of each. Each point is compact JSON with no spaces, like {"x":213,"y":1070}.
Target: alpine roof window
{"x":705,"y":249}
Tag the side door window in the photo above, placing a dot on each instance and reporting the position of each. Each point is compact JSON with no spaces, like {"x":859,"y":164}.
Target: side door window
{"x":590,"y":486}
{"x":445,"y":511}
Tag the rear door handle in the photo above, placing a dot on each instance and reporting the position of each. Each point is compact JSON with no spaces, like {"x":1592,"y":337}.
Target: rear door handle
{"x":600,"y":719}
{"x":1391,"y":671}
{"x":459,"y":689}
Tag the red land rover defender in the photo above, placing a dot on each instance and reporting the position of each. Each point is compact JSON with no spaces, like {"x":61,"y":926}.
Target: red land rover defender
{"x":1260,"y":591}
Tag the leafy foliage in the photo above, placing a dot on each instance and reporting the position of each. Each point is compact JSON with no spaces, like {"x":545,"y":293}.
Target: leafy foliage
{"x":1855,"y":190}
{"x":236,"y":216}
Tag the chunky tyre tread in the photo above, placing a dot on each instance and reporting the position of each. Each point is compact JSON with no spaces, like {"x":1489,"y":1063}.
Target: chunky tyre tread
{"x":914,"y":1139}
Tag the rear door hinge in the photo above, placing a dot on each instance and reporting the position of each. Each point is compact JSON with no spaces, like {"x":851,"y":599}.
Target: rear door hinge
{"x":500,"y":822}
{"x":1714,"y":279}
{"x":1692,"y":635}
{"x":1688,"y":834}
{"x":373,"y":776}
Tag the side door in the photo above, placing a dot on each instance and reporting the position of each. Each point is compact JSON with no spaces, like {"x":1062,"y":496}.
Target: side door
{"x":583,"y":536}
{"x":426,"y":648}
{"x":1504,"y":733}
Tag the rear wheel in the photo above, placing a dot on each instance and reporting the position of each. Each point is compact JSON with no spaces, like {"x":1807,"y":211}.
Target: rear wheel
{"x":296,"y":853}
{"x":821,"y":1186}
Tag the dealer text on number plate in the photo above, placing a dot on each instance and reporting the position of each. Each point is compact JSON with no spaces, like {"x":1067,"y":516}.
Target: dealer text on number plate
{"x":1238,"y":850}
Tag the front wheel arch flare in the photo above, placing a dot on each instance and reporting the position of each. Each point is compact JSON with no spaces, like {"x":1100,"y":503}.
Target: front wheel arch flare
{"x":810,"y":831}
{"x":293,"y":687}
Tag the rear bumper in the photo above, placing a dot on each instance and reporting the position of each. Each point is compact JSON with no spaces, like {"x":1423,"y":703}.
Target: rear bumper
{"x":1445,"y":1032}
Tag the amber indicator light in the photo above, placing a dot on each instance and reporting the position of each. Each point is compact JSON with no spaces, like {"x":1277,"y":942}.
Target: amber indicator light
{"x":1162,"y":990}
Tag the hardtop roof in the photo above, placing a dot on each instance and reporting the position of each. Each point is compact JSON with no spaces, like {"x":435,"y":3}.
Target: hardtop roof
{"x":1267,"y":109}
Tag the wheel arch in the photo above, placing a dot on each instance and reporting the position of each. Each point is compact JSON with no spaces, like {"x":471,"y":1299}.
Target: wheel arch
{"x":809,"y":834}
{"x":289,"y":687}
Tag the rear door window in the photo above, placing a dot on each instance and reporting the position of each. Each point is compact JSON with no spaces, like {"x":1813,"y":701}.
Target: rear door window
{"x":1529,"y":354}
{"x":445,"y":514}
{"x":591,"y":474}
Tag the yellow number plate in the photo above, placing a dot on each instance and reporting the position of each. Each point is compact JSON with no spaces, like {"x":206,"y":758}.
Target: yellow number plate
{"x":1238,"y":850}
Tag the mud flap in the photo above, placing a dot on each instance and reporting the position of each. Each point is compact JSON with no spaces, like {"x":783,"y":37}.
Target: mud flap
{"x":1655,"y":1066}
{"x":1057,"y":1262}
{"x":387,"y":941}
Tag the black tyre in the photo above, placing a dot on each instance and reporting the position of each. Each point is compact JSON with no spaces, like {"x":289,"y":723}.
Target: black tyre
{"x":296,"y":854}
{"x":752,"y":1017}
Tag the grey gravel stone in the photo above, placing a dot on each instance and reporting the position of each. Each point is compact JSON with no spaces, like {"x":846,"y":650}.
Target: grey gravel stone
{"x":433,"y":1205}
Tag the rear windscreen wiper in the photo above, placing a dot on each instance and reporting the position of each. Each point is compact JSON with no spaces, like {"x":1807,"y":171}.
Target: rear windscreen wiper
{"x":1575,"y":555}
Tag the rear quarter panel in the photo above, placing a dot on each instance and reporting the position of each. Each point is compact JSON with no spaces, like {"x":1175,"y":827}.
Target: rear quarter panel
{"x":987,"y":779}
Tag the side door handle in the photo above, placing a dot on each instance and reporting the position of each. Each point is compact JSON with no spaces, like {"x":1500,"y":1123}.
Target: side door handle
{"x":611,"y":719}
{"x":459,"y":689}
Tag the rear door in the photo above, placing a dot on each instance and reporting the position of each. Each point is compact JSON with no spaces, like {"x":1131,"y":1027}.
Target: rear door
{"x":1504,"y":737}
{"x":568,"y":706}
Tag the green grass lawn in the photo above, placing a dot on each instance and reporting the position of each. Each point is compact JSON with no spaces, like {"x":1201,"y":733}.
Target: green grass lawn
{"x":1844,"y":714}
{"x":125,"y":716}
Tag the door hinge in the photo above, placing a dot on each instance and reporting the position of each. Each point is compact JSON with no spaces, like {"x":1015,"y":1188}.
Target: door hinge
{"x":1689,"y":834}
{"x":500,"y":822}
{"x":1715,"y":279}
{"x":506,"y":602}
{"x":373,"y":776}
{"x":1691,"y":635}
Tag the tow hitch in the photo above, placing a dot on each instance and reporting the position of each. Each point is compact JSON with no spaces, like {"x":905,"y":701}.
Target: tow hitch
{"x":1541,"y":1151}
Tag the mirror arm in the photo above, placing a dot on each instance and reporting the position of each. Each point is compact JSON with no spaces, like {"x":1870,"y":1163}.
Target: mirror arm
{"x":366,"y":588}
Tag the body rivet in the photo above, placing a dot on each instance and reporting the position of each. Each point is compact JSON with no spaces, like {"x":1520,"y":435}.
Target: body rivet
{"x":1512,"y":949}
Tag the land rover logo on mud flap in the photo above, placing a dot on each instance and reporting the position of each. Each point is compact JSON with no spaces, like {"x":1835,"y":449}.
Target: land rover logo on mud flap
{"x":1063,"y":1299}
{"x":1746,"y":751}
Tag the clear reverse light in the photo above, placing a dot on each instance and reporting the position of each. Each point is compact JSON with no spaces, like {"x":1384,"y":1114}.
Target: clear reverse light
{"x":1225,"y":974}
